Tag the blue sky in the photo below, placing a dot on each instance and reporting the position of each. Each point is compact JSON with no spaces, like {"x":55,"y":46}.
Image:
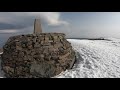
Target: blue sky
{"x":73,"y":24}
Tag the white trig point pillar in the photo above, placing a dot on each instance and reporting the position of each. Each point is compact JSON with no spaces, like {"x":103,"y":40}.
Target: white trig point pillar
{"x":37,"y":26}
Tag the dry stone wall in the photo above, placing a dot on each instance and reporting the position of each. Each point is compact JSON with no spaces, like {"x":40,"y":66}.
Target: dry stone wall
{"x":37,"y":55}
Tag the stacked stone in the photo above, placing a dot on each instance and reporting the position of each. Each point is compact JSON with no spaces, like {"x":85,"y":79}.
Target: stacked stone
{"x":1,"y":50}
{"x":37,"y":55}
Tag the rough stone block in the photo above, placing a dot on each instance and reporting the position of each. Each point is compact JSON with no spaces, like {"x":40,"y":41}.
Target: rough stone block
{"x":41,"y":55}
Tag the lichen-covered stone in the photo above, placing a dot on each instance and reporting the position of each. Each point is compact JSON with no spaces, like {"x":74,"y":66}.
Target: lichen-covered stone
{"x":37,"y":55}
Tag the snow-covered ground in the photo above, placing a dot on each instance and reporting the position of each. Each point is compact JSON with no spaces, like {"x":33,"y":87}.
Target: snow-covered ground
{"x":95,"y":59}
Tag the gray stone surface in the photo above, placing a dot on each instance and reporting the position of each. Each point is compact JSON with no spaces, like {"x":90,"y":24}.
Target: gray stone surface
{"x":1,"y":50}
{"x":1,"y":71}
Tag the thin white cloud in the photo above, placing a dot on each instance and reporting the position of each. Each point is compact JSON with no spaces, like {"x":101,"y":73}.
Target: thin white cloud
{"x":25,"y":18}
{"x":8,"y":31}
{"x":52,"y":18}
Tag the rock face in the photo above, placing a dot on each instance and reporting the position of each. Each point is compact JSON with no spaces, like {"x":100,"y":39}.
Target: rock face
{"x":41,"y":55}
{"x":1,"y":50}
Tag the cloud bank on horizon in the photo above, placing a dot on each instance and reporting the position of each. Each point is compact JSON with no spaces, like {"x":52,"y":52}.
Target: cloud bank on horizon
{"x":73,"y":24}
{"x":52,"y":18}
{"x":23,"y":20}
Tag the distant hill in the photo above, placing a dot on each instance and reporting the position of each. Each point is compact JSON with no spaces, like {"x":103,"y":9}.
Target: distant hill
{"x":101,"y":38}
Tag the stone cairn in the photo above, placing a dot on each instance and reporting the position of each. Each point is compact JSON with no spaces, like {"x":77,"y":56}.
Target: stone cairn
{"x":38,"y":55}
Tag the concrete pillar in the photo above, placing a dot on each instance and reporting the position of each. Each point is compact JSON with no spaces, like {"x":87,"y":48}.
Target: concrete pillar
{"x":37,"y":26}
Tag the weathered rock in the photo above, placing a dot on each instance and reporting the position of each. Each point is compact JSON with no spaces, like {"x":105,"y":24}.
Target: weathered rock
{"x":41,"y":55}
{"x":1,"y":50}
